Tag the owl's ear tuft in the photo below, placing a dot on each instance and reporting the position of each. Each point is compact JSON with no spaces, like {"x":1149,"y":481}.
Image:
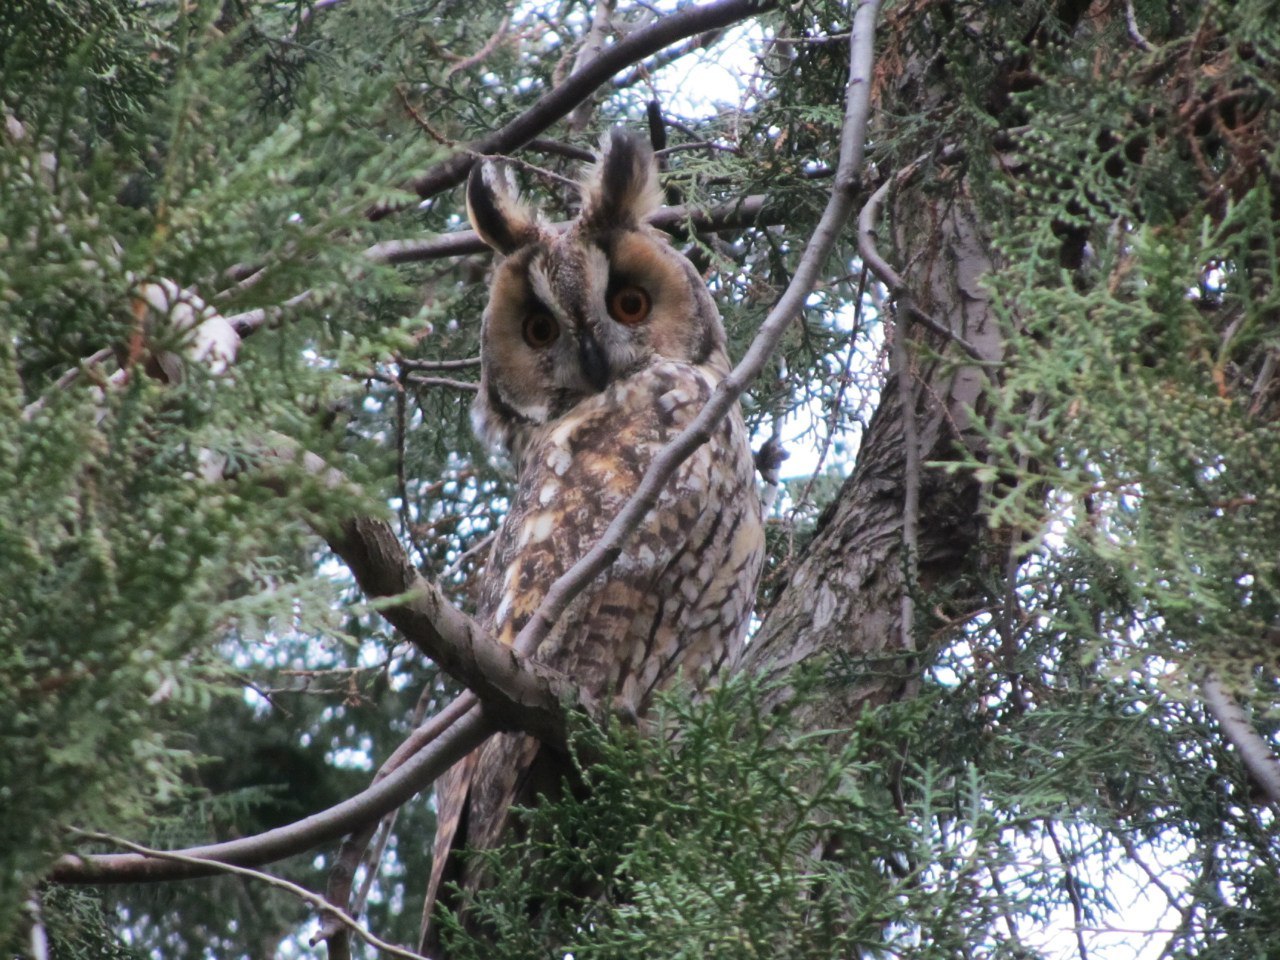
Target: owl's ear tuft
{"x":622,"y":189}
{"x":496,"y":211}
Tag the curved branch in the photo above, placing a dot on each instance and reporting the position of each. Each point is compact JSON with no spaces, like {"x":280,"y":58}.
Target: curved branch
{"x":302,"y":893}
{"x":342,"y":873}
{"x":365,"y":807}
{"x":517,"y":692}
{"x":787,"y":309}
{"x":888,"y":275}
{"x":561,"y":100}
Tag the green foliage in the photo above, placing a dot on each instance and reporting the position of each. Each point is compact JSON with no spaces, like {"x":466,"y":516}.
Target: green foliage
{"x":930,"y":829}
{"x":699,"y":840}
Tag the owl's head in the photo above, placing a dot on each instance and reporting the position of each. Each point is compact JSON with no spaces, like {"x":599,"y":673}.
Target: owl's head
{"x":572,"y":314}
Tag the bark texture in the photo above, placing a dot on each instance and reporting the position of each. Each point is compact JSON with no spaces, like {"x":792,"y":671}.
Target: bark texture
{"x":842,"y":602}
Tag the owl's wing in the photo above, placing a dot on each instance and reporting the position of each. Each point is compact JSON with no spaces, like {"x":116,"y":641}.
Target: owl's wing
{"x":452,"y":790}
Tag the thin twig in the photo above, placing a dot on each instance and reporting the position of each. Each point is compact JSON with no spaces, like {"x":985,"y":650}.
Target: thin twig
{"x":420,"y":365}
{"x":709,"y":145}
{"x":483,"y":544}
{"x":1073,"y":890}
{"x":560,"y":149}
{"x":784,"y":313}
{"x":302,"y":893}
{"x":837,"y":402}
{"x":888,"y":275}
{"x":68,"y":377}
{"x":417,"y":380}
{"x":592,"y":45}
{"x":466,"y":63}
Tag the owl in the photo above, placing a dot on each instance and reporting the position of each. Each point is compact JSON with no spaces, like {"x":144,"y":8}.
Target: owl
{"x":598,"y":346}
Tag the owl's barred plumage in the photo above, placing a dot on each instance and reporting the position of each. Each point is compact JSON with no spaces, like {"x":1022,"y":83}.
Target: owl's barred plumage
{"x":599,"y":346}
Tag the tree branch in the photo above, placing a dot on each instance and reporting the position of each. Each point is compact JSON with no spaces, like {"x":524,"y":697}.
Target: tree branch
{"x":787,"y":309}
{"x":303,"y":893}
{"x":888,"y":275}
{"x":518,"y":693}
{"x":561,"y":100}
{"x":365,"y":807}
{"x":750,"y":211}
{"x":343,"y":872}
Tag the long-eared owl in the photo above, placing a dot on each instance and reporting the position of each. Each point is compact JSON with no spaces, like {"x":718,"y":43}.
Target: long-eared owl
{"x":599,"y":345}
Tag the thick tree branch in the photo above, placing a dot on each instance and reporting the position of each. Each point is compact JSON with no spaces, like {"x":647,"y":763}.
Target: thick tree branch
{"x":517,"y":692}
{"x":560,"y":101}
{"x":365,"y":807}
{"x":787,"y":309}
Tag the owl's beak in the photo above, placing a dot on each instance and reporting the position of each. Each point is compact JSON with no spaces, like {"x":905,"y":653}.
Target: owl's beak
{"x":595,"y":365}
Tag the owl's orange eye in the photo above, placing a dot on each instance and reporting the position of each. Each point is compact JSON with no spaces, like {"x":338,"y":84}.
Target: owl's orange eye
{"x":540,"y":329}
{"x":629,"y":305}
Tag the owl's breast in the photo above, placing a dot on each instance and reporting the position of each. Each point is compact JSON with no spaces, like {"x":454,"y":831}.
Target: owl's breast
{"x":679,"y":596}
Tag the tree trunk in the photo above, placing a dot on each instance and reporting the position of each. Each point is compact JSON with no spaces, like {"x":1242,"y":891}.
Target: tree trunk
{"x":842,"y":603}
